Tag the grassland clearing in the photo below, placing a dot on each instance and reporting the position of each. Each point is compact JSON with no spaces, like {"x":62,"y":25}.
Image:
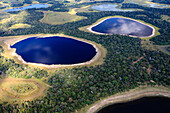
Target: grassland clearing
{"x":72,"y":11}
{"x":17,"y":90}
{"x":14,"y":21}
{"x":20,"y":25}
{"x":163,"y":48}
{"x":147,"y":44}
{"x":166,"y":17}
{"x":3,"y":4}
{"x":54,"y":18}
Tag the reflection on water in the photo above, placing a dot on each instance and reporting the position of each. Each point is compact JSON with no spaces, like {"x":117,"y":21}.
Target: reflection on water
{"x":123,"y":26}
{"x":109,"y":7}
{"x":149,"y":4}
{"x":156,"y":5}
{"x":54,"y":50}
{"x":28,"y":7}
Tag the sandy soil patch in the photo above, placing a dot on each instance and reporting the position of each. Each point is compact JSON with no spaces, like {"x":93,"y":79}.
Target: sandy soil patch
{"x":9,"y":95}
{"x":138,"y":60}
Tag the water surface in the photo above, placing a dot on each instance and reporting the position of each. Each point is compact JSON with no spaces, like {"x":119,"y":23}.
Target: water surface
{"x":28,"y":7}
{"x":54,"y":50}
{"x":148,"y":4}
{"x":143,"y":105}
{"x":109,"y":7}
{"x":123,"y":26}
{"x":157,"y":5}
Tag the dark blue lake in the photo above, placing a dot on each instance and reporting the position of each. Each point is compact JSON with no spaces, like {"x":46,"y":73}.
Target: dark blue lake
{"x":54,"y":50}
{"x":28,"y":7}
{"x":143,"y":105}
{"x":123,"y":26}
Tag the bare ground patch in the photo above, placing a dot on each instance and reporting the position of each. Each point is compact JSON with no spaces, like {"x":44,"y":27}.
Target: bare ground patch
{"x":138,"y":60}
{"x":8,"y":94}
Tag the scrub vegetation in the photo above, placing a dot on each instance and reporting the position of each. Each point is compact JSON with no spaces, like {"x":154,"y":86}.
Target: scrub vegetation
{"x":20,"y":25}
{"x":22,"y":88}
{"x":166,"y":17}
{"x":14,"y":21}
{"x":75,"y":88}
{"x":17,"y":90}
{"x":60,"y":18}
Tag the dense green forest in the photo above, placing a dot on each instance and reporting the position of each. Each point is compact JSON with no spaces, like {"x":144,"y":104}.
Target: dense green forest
{"x":162,"y":1}
{"x":9,"y":68}
{"x":74,"y":88}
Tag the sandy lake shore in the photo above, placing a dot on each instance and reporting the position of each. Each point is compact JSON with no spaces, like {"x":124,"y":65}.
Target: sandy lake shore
{"x":129,"y":96}
{"x":100,"y":51}
{"x":102,"y":20}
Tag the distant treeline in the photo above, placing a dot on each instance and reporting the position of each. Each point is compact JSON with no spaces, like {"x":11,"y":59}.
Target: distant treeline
{"x":75,"y":88}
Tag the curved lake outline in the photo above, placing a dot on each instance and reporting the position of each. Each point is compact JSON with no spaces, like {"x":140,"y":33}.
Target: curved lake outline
{"x":96,"y":60}
{"x":154,"y":29}
{"x":109,"y":7}
{"x":156,"y":104}
{"x":128,"y":96}
{"x":54,"y":50}
{"x":37,"y":6}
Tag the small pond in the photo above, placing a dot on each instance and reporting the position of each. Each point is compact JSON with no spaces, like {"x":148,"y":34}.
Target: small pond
{"x":28,"y":7}
{"x":123,"y":26}
{"x":54,"y":50}
{"x":109,"y":7}
{"x":143,"y":105}
{"x":153,"y":5}
{"x":156,"y":5}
